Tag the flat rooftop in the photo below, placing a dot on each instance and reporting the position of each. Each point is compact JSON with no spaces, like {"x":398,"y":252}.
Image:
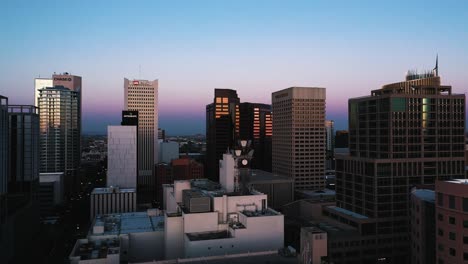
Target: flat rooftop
{"x":347,"y":212}
{"x":112,"y":190}
{"x":267,"y":212}
{"x":459,"y":181}
{"x":97,"y":249}
{"x":325,"y":193}
{"x":424,"y":194}
{"x":126,"y":223}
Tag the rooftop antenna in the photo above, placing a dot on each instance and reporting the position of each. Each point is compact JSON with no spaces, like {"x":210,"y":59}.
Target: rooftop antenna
{"x":436,"y":68}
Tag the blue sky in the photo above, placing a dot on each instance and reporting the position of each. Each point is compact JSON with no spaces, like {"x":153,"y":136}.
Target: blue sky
{"x":255,"y":47}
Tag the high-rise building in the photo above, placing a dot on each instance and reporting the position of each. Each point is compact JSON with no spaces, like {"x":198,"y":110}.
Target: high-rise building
{"x":3,"y":158}
{"x":24,"y":153}
{"x":299,"y":136}
{"x":60,"y":132}
{"x":405,"y":134}
{"x":41,"y":83}
{"x":142,"y":96}
{"x":330,"y":146}
{"x":222,"y":128}
{"x":341,"y":139}
{"x":122,"y":156}
{"x":168,"y":151}
{"x":256,"y":124}
{"x":161,"y":134}
{"x":451,"y":221}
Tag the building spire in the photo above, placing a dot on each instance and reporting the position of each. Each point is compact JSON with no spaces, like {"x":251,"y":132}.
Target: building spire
{"x":436,"y":68}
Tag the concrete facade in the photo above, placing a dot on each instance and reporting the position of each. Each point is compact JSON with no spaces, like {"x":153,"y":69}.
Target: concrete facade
{"x":422,"y":226}
{"x":299,"y":136}
{"x":122,"y":156}
{"x":112,"y":200}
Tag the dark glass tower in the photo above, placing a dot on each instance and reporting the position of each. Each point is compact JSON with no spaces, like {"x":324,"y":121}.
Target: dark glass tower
{"x":256,"y":125}
{"x":222,"y":128}
{"x":405,"y":134}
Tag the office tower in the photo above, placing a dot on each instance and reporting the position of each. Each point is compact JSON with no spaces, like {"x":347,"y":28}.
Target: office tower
{"x":59,"y":109}
{"x":122,"y":156}
{"x":405,"y":134}
{"x":451,"y":221}
{"x":222,"y":128}
{"x":24,"y":153}
{"x":341,"y":139}
{"x":142,"y":96}
{"x":256,"y":125}
{"x":41,"y":83}
{"x":3,"y":158}
{"x":299,"y":136}
{"x":422,"y":226}
{"x":330,"y":146}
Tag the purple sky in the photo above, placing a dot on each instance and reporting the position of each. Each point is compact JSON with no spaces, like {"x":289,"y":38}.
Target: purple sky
{"x":255,"y":48}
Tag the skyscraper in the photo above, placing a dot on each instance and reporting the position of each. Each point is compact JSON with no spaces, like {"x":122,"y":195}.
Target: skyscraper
{"x":256,"y":125}
{"x":222,"y":128}
{"x":405,"y":134}
{"x":3,"y":158}
{"x":142,"y":96}
{"x":24,"y":152}
{"x":299,"y":136}
{"x":330,"y":146}
{"x":41,"y":83}
{"x":60,"y":133}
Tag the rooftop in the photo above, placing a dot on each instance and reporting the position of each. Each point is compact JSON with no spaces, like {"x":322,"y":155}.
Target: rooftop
{"x":424,"y":194}
{"x":267,"y":212}
{"x":97,"y":249}
{"x":347,"y":212}
{"x":126,"y":223}
{"x":459,"y":181}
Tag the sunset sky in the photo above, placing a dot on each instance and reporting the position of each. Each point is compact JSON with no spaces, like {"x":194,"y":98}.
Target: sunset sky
{"x":255,"y":47}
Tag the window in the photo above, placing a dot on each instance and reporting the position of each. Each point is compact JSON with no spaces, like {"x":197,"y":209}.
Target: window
{"x":451,"y":220}
{"x":440,"y":232}
{"x":440,"y":247}
{"x":452,"y":252}
{"x":465,"y":204}
{"x":451,"y":202}
{"x":440,"y":217}
{"x":452,"y":236}
{"x":440,"y":199}
{"x":465,"y":256}
{"x":465,"y":240}
{"x":465,"y":223}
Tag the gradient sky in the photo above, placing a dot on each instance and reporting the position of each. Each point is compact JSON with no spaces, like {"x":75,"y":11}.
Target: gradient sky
{"x":255,"y":47}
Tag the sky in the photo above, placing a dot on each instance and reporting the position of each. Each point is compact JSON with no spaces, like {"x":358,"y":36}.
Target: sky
{"x":254,"y":47}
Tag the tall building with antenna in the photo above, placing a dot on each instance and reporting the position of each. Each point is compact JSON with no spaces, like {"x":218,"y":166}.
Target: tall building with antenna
{"x":405,"y":134}
{"x":142,"y":96}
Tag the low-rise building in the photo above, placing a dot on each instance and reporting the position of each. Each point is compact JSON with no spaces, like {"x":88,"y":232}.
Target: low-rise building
{"x":422,"y":226}
{"x":112,"y":200}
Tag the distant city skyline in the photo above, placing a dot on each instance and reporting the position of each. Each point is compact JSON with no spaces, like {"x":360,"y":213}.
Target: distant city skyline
{"x":255,"y":48}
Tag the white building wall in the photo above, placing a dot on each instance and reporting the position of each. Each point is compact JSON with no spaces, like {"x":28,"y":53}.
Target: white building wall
{"x":313,"y":246}
{"x":122,"y":156}
{"x":226,"y":172}
{"x":173,"y":237}
{"x":179,"y":186}
{"x":168,"y":151}
{"x":112,"y":202}
{"x":200,"y":222}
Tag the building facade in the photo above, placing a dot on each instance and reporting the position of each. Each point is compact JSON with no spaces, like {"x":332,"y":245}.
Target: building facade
{"x":422,"y":224}
{"x":112,"y":200}
{"x":4,"y":156}
{"x":299,"y":138}
{"x":122,"y":156}
{"x":256,"y":124}
{"x":405,"y":134}
{"x":142,"y":96}
{"x":168,"y":151}
{"x":452,"y":221}
{"x":222,"y":128}
{"x":330,"y":145}
{"x":41,"y":83}
{"x":60,"y":133}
